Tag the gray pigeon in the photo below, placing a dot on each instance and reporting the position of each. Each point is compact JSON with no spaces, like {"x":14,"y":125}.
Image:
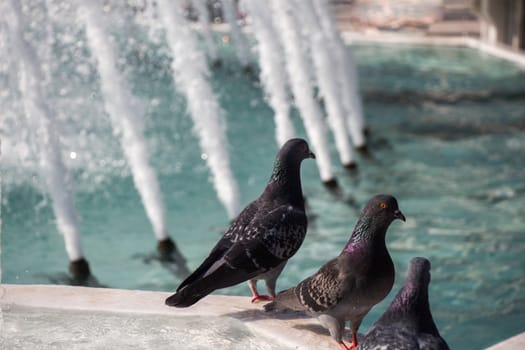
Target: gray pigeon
{"x":408,"y":323}
{"x":260,"y":240}
{"x":347,"y":287}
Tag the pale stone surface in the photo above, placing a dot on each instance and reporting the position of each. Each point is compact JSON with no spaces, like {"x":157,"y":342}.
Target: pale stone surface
{"x":514,"y":343}
{"x":290,"y":329}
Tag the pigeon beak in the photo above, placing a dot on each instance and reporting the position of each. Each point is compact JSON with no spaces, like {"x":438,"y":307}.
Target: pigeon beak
{"x":311,"y":155}
{"x":399,"y":215}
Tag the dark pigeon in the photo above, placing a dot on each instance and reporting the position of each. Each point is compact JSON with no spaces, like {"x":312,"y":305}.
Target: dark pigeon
{"x":408,"y":322}
{"x":260,"y":240}
{"x":347,"y":287}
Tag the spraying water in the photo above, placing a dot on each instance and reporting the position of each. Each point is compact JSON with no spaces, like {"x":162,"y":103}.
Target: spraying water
{"x":273,"y":73}
{"x":230,"y":13}
{"x":346,"y":71}
{"x":325,"y":72}
{"x":298,"y":68}
{"x":40,"y":118}
{"x":204,"y":20}
{"x":190,"y":73}
{"x":124,"y":118}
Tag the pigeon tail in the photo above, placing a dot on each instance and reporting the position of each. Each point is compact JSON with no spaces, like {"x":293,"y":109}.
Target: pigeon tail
{"x":184,"y":298}
{"x":285,"y":300}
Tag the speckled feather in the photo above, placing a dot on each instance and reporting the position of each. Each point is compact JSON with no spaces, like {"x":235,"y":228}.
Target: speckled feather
{"x":264,"y":235}
{"x":407,"y":324}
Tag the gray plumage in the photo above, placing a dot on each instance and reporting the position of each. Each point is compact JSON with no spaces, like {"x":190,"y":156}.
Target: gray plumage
{"x":347,"y":287}
{"x":261,"y":239}
{"x":407,"y":324}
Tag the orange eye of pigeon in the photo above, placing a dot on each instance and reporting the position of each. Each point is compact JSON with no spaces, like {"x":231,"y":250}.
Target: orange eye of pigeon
{"x":303,"y":147}
{"x":383,"y":205}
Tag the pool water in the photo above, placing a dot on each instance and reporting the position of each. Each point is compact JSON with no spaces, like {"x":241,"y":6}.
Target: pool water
{"x":447,"y":138}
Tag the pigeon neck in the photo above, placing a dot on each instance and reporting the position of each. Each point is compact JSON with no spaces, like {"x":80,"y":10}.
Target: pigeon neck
{"x":285,"y":182}
{"x":412,"y":303}
{"x":366,"y":232}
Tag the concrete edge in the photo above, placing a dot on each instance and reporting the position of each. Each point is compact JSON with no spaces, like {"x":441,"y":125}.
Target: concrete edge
{"x":513,"y":343}
{"x":292,"y":330}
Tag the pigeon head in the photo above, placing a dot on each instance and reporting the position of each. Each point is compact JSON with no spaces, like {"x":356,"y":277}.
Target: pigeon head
{"x":418,"y":275}
{"x":374,"y":220}
{"x":412,"y":299}
{"x":294,"y":151}
{"x":289,"y":159}
{"x":382,"y":208}
{"x":285,"y":179}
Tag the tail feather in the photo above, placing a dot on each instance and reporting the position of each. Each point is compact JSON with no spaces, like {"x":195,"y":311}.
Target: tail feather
{"x":222,"y":276}
{"x":184,"y":298}
{"x":270,"y":307}
{"x":285,"y":300}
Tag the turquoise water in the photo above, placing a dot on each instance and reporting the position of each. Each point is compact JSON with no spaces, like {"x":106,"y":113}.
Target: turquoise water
{"x":447,"y":137}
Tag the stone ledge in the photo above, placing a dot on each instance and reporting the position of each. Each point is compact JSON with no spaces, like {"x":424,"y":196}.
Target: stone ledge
{"x":293,"y":329}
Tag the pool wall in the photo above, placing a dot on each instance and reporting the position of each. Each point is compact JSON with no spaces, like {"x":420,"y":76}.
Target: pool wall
{"x":499,"y":51}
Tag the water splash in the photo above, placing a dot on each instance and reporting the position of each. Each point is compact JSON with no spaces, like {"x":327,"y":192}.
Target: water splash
{"x":40,"y":118}
{"x":230,"y":13}
{"x":346,"y":71}
{"x":204,"y":20}
{"x":299,"y":69}
{"x":190,"y":72}
{"x":273,"y":73}
{"x":325,"y":72}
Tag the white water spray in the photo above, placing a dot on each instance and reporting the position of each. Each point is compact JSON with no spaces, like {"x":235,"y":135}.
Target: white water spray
{"x":273,"y":72}
{"x":117,"y":100}
{"x":230,"y":13}
{"x":346,"y":71}
{"x":190,"y":74}
{"x":298,"y":68}
{"x":325,"y":73}
{"x":40,"y":118}
{"x":204,"y":20}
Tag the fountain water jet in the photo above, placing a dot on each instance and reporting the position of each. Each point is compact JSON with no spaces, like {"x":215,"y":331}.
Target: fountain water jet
{"x":273,"y":73}
{"x":347,"y":73}
{"x":328,"y":86}
{"x":204,"y":20}
{"x":298,"y":68}
{"x":230,"y":13}
{"x":40,"y":119}
{"x":118,"y":103}
{"x":190,"y":73}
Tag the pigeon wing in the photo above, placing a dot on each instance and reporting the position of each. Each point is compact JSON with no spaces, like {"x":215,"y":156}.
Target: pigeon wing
{"x":251,"y":248}
{"x":236,"y":229}
{"x":324,"y":290}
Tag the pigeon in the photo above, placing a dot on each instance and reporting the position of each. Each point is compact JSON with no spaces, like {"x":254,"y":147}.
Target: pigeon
{"x":260,"y":240}
{"x":347,"y":287}
{"x":407,"y":324}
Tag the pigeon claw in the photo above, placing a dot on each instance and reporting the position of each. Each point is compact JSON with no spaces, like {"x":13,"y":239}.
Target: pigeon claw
{"x":343,"y":346}
{"x":258,"y":298}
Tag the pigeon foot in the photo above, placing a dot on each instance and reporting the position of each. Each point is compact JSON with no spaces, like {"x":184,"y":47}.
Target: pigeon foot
{"x":258,"y":298}
{"x":343,"y":346}
{"x":353,"y":346}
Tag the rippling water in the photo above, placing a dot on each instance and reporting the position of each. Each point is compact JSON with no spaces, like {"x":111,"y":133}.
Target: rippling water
{"x":447,"y":137}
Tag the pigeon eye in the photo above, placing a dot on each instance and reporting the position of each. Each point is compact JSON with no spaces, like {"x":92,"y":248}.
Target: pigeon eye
{"x":302,"y":147}
{"x":383,"y":205}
